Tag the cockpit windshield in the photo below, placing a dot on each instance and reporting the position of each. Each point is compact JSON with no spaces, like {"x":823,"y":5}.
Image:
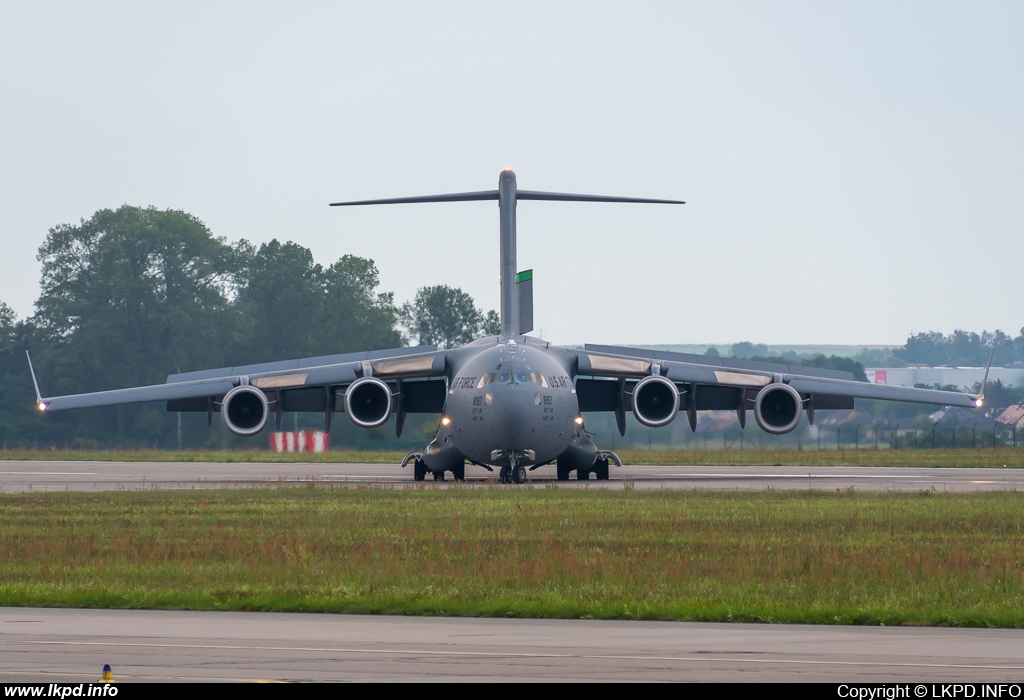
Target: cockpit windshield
{"x":512,"y":378}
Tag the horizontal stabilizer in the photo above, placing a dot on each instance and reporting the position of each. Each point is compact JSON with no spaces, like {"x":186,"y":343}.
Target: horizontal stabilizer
{"x":456,"y":197}
{"x":562,"y":197}
{"x":493,"y":194}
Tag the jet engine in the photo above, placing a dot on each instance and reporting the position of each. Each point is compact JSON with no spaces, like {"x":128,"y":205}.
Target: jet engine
{"x":368,"y":402}
{"x":655,"y":401}
{"x":244,"y":410}
{"x":777,"y":409}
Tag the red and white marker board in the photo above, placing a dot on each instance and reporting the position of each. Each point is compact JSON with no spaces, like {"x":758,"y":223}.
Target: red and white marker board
{"x":301,"y":441}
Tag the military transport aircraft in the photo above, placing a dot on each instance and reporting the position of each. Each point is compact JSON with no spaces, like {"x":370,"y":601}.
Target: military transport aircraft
{"x":512,"y":401}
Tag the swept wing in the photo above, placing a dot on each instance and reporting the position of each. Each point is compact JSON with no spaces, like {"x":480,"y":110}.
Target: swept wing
{"x":191,"y":390}
{"x":710,"y":383}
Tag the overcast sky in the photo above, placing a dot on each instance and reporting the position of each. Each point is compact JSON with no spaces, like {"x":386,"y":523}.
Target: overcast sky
{"x":853,"y":171}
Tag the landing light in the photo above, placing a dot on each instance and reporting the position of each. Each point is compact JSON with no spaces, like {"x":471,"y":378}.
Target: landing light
{"x":41,"y":406}
{"x":446,"y":421}
{"x":579,"y":420}
{"x":979,"y":402}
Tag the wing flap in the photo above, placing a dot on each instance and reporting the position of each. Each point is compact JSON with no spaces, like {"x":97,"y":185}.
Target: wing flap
{"x":285,"y":366}
{"x":720,"y":362}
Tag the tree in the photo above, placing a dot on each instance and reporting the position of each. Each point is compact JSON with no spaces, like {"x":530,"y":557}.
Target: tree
{"x":357,"y":317}
{"x":491,"y":324}
{"x":125,"y":296}
{"x":746,"y":350}
{"x":18,"y":419}
{"x":446,"y":317}
{"x":962,"y":348}
{"x":289,"y":306}
{"x":280,"y":301}
{"x":132,"y":288}
{"x":837,"y":362}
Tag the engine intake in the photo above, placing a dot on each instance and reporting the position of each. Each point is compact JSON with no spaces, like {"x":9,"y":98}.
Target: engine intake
{"x":368,"y":402}
{"x":777,"y":409}
{"x":655,"y":401}
{"x":244,"y":410}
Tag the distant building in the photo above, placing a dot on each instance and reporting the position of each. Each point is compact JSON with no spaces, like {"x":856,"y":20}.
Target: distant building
{"x":835,"y":418}
{"x":963,"y":377}
{"x":1013,"y":417}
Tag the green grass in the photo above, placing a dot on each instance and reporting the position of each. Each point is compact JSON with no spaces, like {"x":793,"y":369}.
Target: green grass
{"x":942,"y":457}
{"x":772,"y":556}
{"x":255,"y":455}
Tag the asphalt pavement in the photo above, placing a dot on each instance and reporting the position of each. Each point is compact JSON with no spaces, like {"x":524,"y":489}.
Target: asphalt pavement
{"x":57,"y":645}
{"x":24,"y":476}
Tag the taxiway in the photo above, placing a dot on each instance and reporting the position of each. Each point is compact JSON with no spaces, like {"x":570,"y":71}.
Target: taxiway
{"x":25,"y":476}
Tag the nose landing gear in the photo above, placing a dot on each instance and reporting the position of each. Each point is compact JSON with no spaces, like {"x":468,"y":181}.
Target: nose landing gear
{"x":515,"y":473}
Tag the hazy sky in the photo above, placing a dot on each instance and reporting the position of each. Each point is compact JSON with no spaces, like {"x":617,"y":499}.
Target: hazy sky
{"x":853,"y":171}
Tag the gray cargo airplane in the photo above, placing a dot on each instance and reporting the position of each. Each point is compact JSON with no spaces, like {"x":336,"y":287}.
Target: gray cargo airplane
{"x":511,"y":401}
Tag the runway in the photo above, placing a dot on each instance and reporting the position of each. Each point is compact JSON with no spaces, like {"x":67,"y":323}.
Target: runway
{"x":56,"y":645}
{"x":26,"y":476}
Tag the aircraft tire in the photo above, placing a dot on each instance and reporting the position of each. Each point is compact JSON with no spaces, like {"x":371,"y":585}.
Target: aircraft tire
{"x":583,"y":474}
{"x":438,"y":476}
{"x":519,"y":474}
{"x":459,"y":472}
{"x":419,"y":470}
{"x":503,"y":475}
{"x":562,"y":471}
{"x":601,"y":470}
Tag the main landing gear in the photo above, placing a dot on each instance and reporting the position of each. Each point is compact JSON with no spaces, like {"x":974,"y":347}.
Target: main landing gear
{"x":599,"y":469}
{"x":420,"y":469}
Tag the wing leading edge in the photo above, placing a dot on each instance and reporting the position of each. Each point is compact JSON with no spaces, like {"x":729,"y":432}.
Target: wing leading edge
{"x":302,"y":374}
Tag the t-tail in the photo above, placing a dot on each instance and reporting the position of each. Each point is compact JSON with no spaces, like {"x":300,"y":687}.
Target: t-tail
{"x":514,"y":321}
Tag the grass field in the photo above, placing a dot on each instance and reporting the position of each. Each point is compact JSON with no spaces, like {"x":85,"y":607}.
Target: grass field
{"x":981,"y":457}
{"x":772,"y":556}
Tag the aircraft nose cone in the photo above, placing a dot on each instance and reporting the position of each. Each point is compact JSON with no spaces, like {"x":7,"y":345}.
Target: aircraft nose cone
{"x":512,"y":410}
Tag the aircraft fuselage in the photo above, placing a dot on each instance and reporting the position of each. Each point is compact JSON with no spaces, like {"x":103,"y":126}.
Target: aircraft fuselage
{"x":506,"y":401}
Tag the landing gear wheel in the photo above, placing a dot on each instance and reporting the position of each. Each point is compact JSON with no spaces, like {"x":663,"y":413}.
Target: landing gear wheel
{"x":438,"y":476}
{"x":601,"y":469}
{"x":503,"y":475}
{"x":519,"y":474}
{"x":459,"y":472}
{"x":562,"y":470}
{"x":419,"y":470}
{"x":583,"y":474}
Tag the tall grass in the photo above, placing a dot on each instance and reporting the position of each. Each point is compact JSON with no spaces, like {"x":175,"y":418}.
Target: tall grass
{"x":840,"y":557}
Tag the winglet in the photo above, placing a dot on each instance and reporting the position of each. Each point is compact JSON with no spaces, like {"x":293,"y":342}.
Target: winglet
{"x":984,"y":381}
{"x":980,"y":401}
{"x":39,"y":398}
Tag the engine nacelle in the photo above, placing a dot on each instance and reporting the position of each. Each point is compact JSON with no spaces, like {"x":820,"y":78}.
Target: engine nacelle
{"x":777,"y":409}
{"x":244,"y":410}
{"x":368,"y":402}
{"x":655,"y":401}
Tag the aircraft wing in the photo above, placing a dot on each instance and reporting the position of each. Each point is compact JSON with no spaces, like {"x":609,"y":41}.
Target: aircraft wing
{"x":294,"y":379}
{"x":721,"y":384}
